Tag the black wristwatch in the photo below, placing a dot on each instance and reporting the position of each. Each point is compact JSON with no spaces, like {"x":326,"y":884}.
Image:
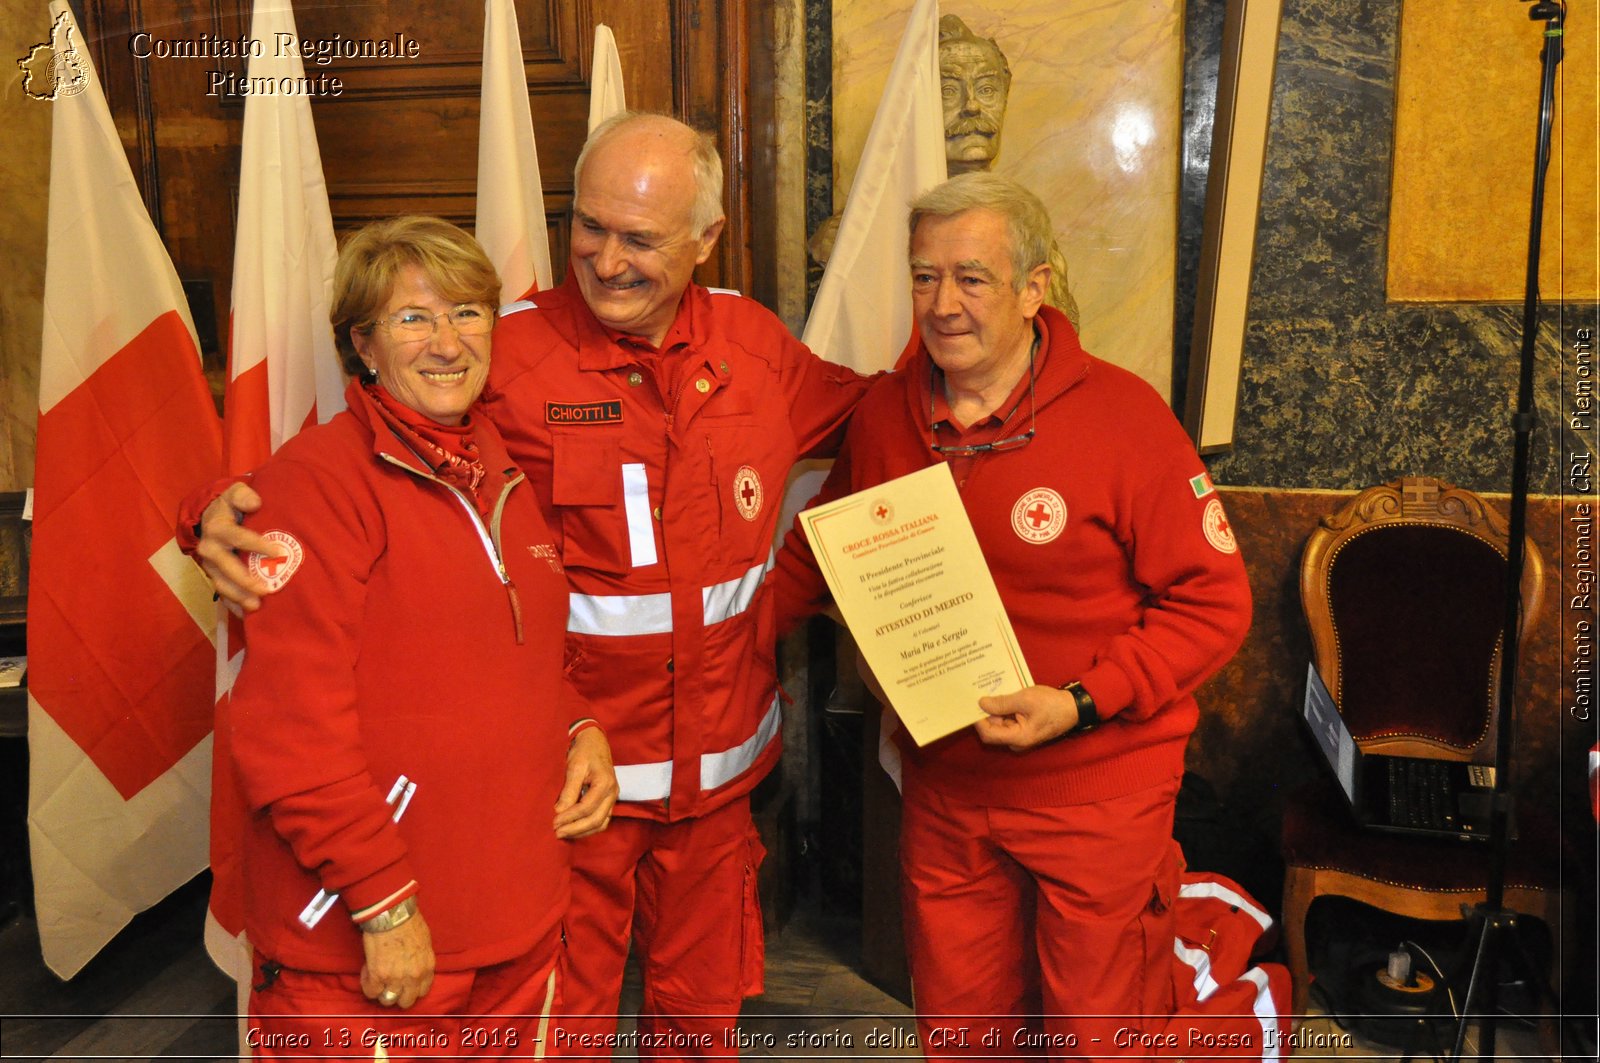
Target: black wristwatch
{"x":1088,"y":715}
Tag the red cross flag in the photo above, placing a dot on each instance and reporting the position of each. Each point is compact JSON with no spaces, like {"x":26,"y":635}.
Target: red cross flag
{"x":283,"y":374}
{"x":120,"y":664}
{"x":606,"y":93}
{"x":511,"y":225}
{"x":862,"y":314}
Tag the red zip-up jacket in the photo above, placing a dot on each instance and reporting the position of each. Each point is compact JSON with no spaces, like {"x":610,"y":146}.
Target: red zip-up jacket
{"x":663,"y":472}
{"x":393,"y":648}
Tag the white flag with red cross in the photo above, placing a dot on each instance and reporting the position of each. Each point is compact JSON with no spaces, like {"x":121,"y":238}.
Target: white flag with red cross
{"x":862,"y":313}
{"x":283,"y":375}
{"x":120,"y":663}
{"x":511,"y":223}
{"x":606,"y":93}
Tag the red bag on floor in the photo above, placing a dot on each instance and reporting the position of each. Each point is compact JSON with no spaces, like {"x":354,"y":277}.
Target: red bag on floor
{"x":1226,"y":1007}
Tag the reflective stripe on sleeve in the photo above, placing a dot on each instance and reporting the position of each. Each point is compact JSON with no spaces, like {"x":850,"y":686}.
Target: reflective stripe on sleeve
{"x":1266,"y":1013}
{"x":1217,"y":891}
{"x":719,"y":768}
{"x":1200,"y":960}
{"x":644,"y":782}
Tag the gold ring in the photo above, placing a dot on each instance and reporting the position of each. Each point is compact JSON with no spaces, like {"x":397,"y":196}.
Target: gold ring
{"x":389,"y":996}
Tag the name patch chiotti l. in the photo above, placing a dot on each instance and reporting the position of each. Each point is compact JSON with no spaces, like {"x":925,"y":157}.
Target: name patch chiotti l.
{"x":607,"y":412}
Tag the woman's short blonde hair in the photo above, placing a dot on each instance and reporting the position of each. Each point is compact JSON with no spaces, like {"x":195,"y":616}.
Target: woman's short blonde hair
{"x":371,"y":261}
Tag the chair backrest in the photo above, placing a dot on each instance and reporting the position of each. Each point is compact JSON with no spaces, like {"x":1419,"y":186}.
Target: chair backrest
{"x":1404,"y":593}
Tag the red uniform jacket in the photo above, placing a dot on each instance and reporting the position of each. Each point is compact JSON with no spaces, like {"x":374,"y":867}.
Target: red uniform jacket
{"x":663,"y":472}
{"x":392,"y":648}
{"x":1111,"y":552}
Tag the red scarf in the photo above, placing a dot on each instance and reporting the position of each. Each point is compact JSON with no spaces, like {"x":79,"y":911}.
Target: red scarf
{"x":449,"y":450}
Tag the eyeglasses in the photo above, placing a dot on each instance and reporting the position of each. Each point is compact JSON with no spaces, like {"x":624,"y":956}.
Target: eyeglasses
{"x":999,"y":445}
{"x":412,"y":323}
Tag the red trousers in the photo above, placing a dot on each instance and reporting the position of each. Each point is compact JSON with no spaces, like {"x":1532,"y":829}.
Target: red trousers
{"x":1039,"y":932}
{"x":485,"y":1012}
{"x":685,"y":893}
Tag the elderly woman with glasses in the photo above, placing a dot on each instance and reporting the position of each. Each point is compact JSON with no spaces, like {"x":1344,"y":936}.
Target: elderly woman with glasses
{"x":410,"y":761}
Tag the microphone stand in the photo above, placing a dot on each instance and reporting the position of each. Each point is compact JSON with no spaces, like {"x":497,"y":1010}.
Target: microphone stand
{"x":1494,"y":921}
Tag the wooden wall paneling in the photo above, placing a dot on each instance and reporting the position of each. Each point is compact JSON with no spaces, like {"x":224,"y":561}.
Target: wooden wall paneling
{"x":760,"y":133}
{"x":644,"y":32}
{"x":690,"y":58}
{"x":407,"y":130}
{"x":106,"y":27}
{"x":710,"y":78}
{"x":183,"y":145}
{"x":402,"y":134}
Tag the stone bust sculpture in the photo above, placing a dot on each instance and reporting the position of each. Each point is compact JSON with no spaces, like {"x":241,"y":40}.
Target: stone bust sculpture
{"x":974,"y":84}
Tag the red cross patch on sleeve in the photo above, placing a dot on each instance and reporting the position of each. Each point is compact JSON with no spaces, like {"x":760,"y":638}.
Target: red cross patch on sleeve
{"x":275,"y":571}
{"x":1218,"y":532}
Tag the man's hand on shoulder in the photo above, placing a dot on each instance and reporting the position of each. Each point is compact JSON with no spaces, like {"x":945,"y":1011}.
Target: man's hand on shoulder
{"x":222,"y":538}
{"x":1026,"y":719}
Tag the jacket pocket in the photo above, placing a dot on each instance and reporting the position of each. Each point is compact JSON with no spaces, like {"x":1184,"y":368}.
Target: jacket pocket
{"x":752,"y":937}
{"x":748,"y":466}
{"x":586,"y":490}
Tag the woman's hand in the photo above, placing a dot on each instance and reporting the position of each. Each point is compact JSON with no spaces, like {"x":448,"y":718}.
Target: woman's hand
{"x":221,"y":536}
{"x":584,"y":806}
{"x":399,"y":967}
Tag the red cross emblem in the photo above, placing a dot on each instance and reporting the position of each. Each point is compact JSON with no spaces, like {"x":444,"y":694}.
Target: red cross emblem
{"x":1219,"y":533}
{"x":276,"y":570}
{"x":1039,"y":516}
{"x":747,"y":492}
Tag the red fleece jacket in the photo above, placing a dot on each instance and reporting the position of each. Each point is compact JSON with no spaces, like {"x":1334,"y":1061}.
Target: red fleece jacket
{"x":393,"y":648}
{"x":1139,"y":594}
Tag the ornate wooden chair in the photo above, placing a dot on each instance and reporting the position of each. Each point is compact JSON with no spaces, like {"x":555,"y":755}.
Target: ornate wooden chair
{"x":1404,"y":593}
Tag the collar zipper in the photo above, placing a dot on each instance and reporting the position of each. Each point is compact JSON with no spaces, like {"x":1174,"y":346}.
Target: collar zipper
{"x":489,"y":537}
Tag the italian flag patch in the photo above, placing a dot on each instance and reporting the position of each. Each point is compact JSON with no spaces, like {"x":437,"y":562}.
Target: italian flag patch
{"x":1201,"y":485}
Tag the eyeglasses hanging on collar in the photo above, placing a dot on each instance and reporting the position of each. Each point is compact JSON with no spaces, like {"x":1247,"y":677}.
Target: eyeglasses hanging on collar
{"x":999,"y":445}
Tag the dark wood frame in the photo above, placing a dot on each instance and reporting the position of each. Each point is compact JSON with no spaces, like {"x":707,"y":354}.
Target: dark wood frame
{"x":1233,"y":194}
{"x":15,"y":540}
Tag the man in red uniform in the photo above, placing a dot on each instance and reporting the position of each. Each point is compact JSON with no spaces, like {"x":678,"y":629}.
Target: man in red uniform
{"x":1038,"y":865}
{"x":657,"y":421}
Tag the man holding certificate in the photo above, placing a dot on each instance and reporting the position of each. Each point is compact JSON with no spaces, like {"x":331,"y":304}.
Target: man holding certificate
{"x":1038,"y":863}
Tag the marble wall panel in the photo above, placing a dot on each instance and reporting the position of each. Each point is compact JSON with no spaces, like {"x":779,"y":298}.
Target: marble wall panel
{"x":1093,"y":127}
{"x":1340,"y":388}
